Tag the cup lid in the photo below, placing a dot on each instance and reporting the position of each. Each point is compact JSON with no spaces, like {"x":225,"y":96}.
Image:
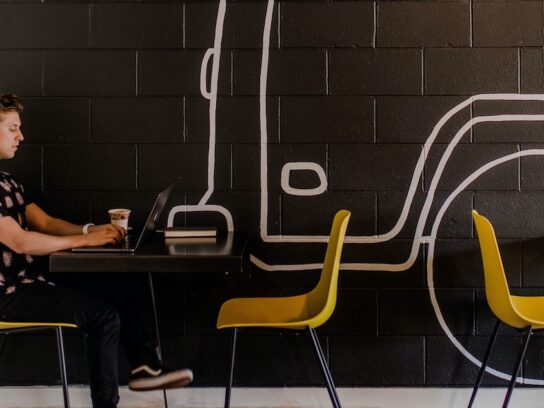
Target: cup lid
{"x":118,"y":210}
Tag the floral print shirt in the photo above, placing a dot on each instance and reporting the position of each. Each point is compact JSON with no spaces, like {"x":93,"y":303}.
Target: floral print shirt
{"x":15,"y":269}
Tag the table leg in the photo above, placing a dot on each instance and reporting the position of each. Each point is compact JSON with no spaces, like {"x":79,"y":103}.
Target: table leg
{"x":157,"y":333}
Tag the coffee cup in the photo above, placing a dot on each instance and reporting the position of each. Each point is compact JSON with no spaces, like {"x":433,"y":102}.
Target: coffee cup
{"x":119,"y":216}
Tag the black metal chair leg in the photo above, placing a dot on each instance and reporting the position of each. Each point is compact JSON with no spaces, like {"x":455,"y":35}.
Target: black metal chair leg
{"x":517,"y":366}
{"x":484,"y":363}
{"x":62,"y":366}
{"x":322,"y":360}
{"x":231,"y":366}
{"x":324,"y":369}
{"x":157,"y":331}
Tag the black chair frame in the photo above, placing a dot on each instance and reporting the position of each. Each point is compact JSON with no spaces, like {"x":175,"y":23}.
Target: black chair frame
{"x":60,"y":352}
{"x":320,"y":356}
{"x":527,"y":332}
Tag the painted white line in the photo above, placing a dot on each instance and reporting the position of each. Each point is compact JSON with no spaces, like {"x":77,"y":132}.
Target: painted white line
{"x":201,"y":208}
{"x":418,"y":235}
{"x":204,"y":74}
{"x":301,"y":166}
{"x":430,"y":259}
{"x":416,"y":176}
{"x":211,"y":95}
{"x":263,"y":118}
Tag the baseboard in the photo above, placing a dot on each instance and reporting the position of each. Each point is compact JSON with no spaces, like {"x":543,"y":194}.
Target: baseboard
{"x":51,"y":397}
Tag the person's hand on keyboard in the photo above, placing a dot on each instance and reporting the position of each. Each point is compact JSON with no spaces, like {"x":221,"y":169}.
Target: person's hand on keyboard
{"x":105,"y":234}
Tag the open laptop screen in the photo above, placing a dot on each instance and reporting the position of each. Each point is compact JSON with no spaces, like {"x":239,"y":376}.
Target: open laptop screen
{"x":149,"y":226}
{"x":155,"y":213}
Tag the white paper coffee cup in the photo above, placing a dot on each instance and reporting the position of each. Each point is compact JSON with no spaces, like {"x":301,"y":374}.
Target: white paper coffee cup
{"x":119,"y":216}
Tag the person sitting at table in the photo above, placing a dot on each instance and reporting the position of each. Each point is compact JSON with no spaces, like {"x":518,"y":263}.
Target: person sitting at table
{"x":26,"y":295}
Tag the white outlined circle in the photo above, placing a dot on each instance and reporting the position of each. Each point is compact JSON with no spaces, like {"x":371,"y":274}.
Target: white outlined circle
{"x":316,"y":168}
{"x":430,"y":258}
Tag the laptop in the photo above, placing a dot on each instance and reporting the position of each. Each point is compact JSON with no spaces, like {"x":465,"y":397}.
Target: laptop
{"x":127,"y":246}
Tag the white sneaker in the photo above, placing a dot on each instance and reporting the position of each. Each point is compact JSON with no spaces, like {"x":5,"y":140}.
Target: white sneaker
{"x":144,"y":378}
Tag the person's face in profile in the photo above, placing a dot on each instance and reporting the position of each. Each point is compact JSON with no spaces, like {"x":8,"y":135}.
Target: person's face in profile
{"x":10,"y":134}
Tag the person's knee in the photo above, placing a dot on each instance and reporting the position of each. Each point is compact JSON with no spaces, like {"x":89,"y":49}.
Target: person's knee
{"x":109,"y":318}
{"x":113,"y":317}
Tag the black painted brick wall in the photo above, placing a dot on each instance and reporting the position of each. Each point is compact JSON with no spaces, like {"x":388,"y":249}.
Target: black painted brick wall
{"x":114,"y":113}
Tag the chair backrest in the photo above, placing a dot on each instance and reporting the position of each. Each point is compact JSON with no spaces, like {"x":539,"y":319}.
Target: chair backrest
{"x":322,"y":299}
{"x":496,"y":285}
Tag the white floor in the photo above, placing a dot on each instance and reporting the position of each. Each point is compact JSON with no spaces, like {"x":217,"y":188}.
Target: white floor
{"x":51,"y":397}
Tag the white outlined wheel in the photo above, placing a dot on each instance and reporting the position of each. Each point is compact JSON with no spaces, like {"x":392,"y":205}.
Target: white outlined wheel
{"x":430,"y":259}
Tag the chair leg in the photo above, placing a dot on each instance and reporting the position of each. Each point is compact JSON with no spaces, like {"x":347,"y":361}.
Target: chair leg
{"x":484,"y":363}
{"x":231,"y":366}
{"x":62,"y":366}
{"x":517,"y":366}
{"x":324,"y":369}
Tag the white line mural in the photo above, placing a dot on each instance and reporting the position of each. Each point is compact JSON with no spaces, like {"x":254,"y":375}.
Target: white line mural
{"x":418,"y":239}
{"x":210,"y":94}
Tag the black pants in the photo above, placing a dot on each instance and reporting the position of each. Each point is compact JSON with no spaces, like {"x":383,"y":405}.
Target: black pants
{"x":103,"y":324}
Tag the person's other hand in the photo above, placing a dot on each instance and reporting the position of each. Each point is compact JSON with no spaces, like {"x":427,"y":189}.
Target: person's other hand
{"x":105,"y":234}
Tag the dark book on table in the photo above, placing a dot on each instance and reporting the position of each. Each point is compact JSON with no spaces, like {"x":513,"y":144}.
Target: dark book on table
{"x":185,"y":232}
{"x":189,"y":240}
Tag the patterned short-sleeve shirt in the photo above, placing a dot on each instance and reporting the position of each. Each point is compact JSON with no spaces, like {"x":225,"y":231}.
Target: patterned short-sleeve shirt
{"x":15,"y":269}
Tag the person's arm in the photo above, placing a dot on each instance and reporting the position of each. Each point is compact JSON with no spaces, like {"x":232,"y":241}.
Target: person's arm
{"x":36,"y":243}
{"x":38,"y":220}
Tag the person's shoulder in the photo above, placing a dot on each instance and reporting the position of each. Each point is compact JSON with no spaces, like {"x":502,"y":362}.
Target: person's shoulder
{"x":8,"y":177}
{"x":7,"y":181}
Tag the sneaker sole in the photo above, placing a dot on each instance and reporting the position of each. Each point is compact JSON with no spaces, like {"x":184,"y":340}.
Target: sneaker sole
{"x":176,"y":379}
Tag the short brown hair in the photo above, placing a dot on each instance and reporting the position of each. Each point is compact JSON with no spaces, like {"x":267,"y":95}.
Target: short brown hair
{"x":10,"y":102}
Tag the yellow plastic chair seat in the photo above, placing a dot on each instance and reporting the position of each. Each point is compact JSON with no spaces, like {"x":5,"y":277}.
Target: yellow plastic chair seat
{"x":516,"y":311}
{"x":18,"y":325}
{"x":530,"y":309}
{"x":311,"y":309}
{"x":279,"y":312}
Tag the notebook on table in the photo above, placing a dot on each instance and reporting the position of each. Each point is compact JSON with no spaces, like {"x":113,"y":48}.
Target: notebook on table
{"x":130,"y":246}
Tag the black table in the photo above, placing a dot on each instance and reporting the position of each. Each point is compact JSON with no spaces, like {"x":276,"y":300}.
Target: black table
{"x":224,"y":257}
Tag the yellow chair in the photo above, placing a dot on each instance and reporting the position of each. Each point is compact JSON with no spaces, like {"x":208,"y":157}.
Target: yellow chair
{"x":525,"y":313}
{"x":13,"y":327}
{"x":303,"y":312}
